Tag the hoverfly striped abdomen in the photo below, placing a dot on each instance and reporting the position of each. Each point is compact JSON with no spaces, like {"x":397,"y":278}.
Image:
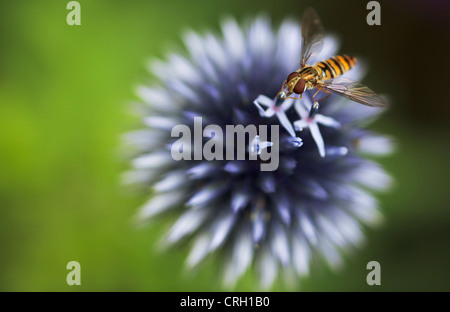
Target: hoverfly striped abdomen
{"x":335,"y":66}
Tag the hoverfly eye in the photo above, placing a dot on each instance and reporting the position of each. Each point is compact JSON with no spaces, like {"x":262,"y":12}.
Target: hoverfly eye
{"x":300,"y":86}
{"x":292,"y":76}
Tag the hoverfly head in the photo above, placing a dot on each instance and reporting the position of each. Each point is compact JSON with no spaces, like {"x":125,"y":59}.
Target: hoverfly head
{"x":295,"y":84}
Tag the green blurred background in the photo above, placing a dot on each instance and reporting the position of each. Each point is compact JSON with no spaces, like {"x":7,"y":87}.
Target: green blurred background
{"x":64,"y":94}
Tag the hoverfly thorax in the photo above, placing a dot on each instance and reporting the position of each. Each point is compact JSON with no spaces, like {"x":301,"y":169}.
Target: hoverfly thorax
{"x":295,"y":83}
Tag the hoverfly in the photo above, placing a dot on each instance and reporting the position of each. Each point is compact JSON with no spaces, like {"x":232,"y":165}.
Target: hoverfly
{"x":324,"y":75}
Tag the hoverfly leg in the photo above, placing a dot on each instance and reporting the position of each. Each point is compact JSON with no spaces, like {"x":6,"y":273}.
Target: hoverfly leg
{"x":315,"y":107}
{"x":283,"y":86}
{"x":325,"y":97}
{"x":294,"y":98}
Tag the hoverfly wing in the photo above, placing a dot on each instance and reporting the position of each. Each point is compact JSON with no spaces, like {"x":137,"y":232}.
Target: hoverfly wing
{"x":312,"y":35}
{"x":353,"y":90}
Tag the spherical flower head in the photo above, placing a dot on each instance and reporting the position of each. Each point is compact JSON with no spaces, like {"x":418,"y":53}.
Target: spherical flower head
{"x":312,"y":206}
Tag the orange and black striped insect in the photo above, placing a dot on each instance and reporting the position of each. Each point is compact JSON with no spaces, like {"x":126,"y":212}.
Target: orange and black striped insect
{"x":324,"y":75}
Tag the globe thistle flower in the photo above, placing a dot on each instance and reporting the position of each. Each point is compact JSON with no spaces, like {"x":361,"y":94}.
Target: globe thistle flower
{"x":316,"y":202}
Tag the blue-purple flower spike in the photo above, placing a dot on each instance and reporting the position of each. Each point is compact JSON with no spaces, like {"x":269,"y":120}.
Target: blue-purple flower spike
{"x":317,"y":201}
